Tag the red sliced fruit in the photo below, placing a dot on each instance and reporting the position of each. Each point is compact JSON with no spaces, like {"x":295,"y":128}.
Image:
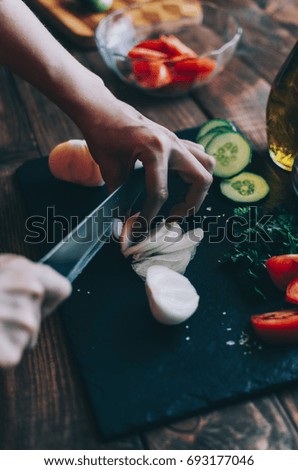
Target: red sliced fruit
{"x":194,"y":68}
{"x":143,"y":53}
{"x":282,"y":269}
{"x":153,"y":44}
{"x":277,"y":327}
{"x":154,"y":74}
{"x":173,"y":46}
{"x":292,"y":292}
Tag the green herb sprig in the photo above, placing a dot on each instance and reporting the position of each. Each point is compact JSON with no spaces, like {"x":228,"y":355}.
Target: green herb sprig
{"x":249,"y":257}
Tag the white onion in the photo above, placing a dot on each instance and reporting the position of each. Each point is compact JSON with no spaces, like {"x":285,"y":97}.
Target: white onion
{"x":172,"y":298}
{"x":161,"y":259}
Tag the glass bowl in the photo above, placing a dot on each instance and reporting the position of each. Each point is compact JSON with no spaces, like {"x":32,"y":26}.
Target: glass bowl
{"x":210,"y":31}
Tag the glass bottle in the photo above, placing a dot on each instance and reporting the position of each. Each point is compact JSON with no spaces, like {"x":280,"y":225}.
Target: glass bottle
{"x":282,"y":113}
{"x":295,"y":175}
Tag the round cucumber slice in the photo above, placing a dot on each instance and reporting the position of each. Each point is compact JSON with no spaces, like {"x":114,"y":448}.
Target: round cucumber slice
{"x":232,"y":153}
{"x":246,"y":187}
{"x":209,"y":136}
{"x":210,"y":125}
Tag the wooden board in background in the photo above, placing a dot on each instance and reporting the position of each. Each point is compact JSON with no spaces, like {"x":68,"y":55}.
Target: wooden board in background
{"x":72,"y":20}
{"x":79,"y":25}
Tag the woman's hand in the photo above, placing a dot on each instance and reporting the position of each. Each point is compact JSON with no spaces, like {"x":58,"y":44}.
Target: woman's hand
{"x":125,"y":135}
{"x":28,"y":292}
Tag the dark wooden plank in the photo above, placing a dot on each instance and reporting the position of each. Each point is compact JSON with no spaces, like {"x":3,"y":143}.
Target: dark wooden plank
{"x":15,"y":133}
{"x":12,"y":212}
{"x":289,"y":400}
{"x":50,"y":126}
{"x":260,"y":424}
{"x":286,"y":13}
{"x":266,"y":40}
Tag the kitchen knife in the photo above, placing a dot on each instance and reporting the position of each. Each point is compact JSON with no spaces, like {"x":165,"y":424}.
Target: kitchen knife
{"x":75,"y":251}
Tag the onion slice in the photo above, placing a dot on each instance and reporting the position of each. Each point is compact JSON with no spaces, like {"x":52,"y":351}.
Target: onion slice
{"x":172,"y":298}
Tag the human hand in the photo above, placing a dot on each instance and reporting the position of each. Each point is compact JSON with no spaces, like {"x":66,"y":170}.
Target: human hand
{"x":28,"y":293}
{"x":125,"y":135}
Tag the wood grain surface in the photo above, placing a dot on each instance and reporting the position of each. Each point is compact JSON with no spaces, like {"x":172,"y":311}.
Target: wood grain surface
{"x":79,"y":24}
{"x":42,"y":401}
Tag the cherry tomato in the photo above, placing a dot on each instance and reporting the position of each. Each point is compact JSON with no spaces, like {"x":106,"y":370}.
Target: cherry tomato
{"x":282,"y":270}
{"x":277,"y":327}
{"x":292,"y":292}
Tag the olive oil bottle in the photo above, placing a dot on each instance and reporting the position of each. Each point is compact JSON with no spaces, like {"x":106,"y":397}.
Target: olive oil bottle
{"x":282,"y":113}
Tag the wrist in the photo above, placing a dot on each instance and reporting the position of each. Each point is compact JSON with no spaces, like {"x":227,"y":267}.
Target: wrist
{"x":82,"y":96}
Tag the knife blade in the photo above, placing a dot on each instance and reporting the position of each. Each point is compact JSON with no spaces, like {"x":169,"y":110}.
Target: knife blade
{"x":70,"y":256}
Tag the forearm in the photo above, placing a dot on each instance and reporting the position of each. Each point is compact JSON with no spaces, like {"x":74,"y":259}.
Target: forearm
{"x":30,"y":51}
{"x":116,"y":134}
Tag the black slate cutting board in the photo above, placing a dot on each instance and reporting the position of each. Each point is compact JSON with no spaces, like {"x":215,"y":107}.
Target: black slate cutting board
{"x":137,"y":372}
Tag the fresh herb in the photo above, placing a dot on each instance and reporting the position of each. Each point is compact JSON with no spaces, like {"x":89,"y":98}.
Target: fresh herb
{"x":277,"y":236}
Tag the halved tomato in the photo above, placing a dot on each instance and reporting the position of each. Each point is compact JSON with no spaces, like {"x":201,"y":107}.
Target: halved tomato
{"x":143,"y":53}
{"x":277,"y":327}
{"x":153,"y":44}
{"x":292,"y":292}
{"x":282,"y":269}
{"x":173,"y":46}
{"x":151,"y":74}
{"x":198,"y":68}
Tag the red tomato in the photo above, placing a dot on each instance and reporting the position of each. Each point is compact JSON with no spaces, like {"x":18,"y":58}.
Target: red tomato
{"x":167,"y":60}
{"x":292,"y":292}
{"x":151,"y":74}
{"x":282,"y":269}
{"x":153,"y":44}
{"x":173,"y":46}
{"x":277,"y":327}
{"x":195,"y":68}
{"x":143,"y":53}
{"x":170,"y":45}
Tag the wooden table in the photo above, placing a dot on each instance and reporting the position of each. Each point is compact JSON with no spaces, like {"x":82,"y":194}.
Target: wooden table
{"x":42,"y":401}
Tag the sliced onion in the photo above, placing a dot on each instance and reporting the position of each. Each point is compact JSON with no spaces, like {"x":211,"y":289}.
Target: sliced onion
{"x":172,"y":298}
{"x":159,"y":237}
{"x":177,"y":261}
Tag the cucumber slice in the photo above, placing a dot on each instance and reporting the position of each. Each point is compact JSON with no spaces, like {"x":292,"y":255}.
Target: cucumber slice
{"x":232,"y":153}
{"x":210,"y":125}
{"x":209,"y":136}
{"x":246,"y":187}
